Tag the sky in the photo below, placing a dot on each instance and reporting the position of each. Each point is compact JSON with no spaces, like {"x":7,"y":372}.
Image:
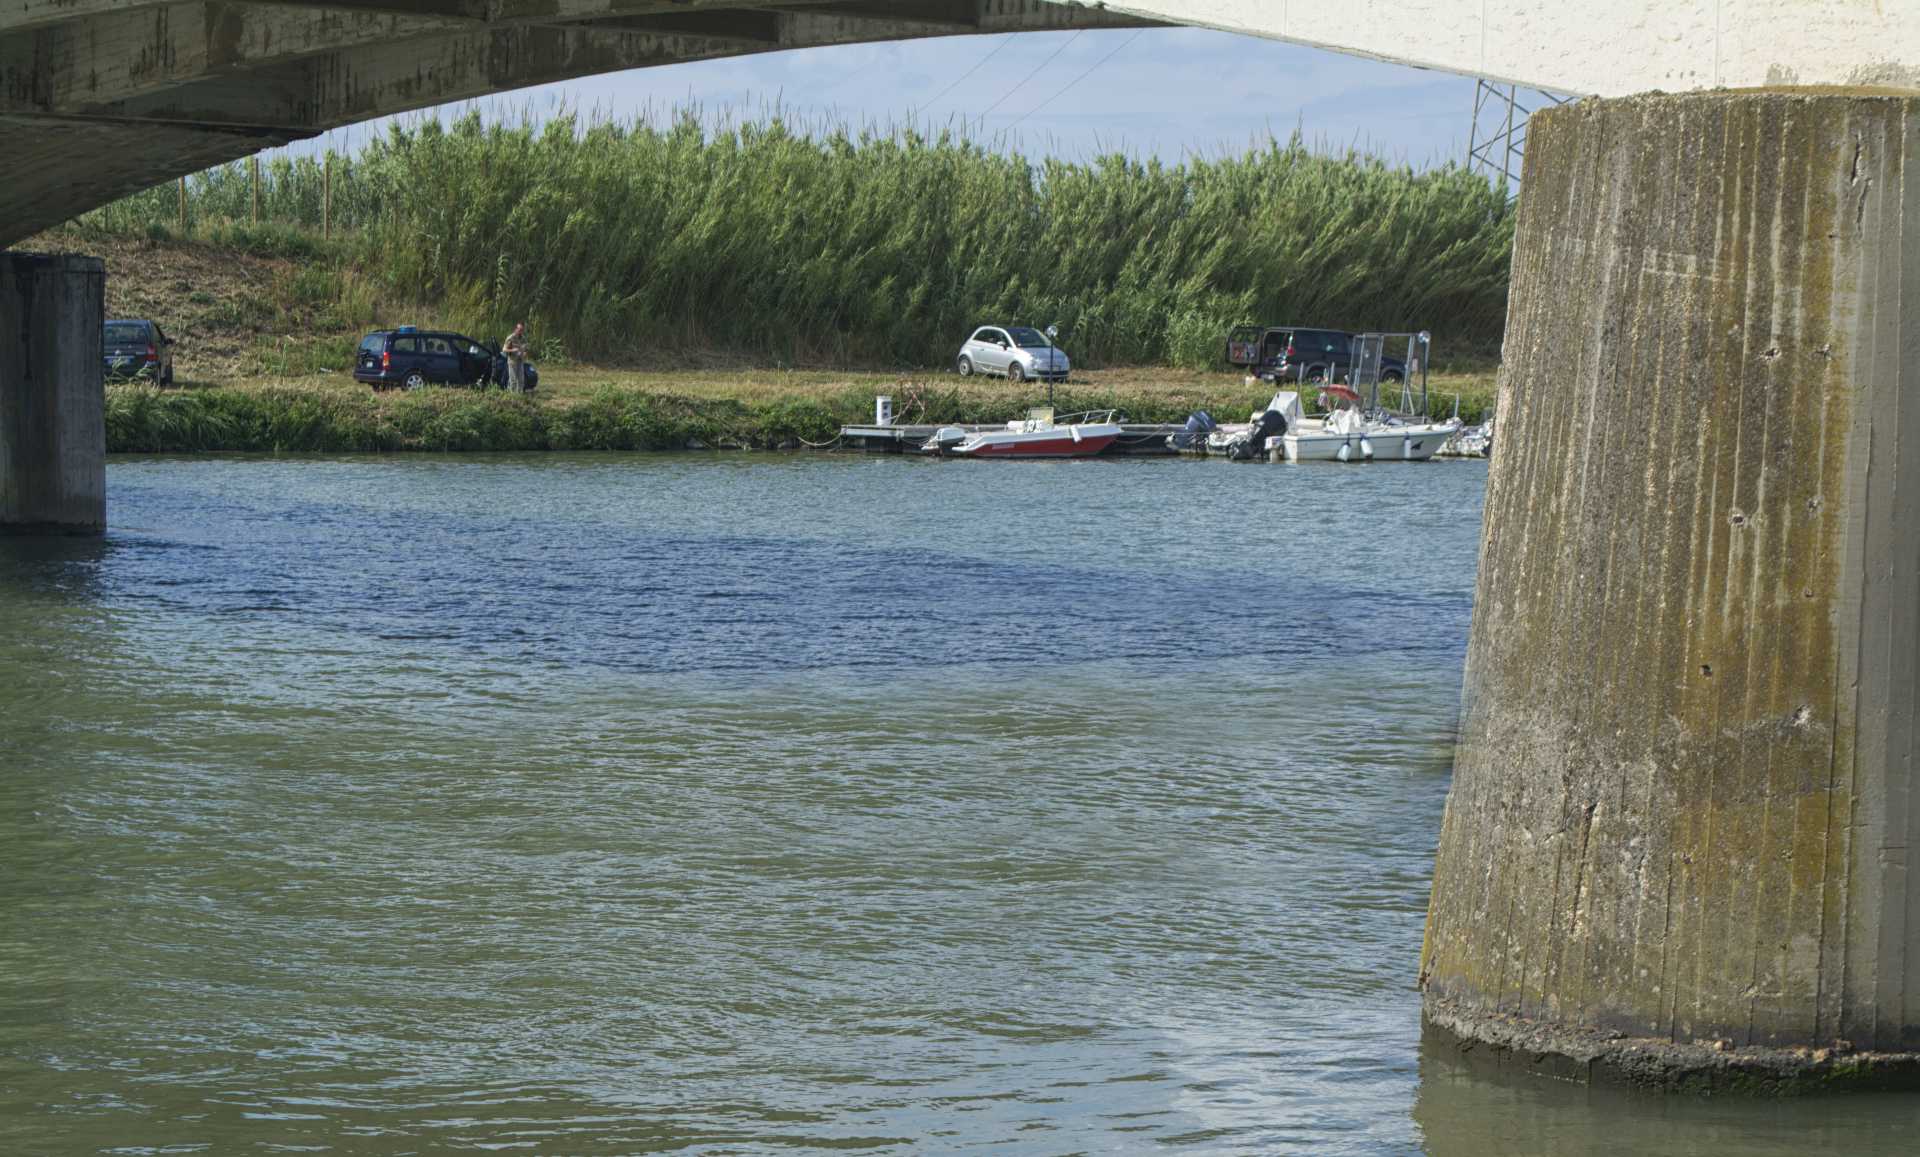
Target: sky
{"x":1164,"y":92}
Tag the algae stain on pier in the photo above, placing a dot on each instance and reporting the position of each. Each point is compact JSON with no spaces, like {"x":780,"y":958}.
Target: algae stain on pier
{"x":1653,"y":822}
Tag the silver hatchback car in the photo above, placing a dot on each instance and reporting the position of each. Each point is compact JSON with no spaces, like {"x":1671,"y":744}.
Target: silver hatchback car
{"x":1016,"y":351}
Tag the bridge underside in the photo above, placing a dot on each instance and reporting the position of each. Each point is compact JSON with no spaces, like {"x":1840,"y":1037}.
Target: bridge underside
{"x":101,"y":98}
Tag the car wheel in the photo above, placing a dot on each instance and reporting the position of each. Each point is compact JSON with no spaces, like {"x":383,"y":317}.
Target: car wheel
{"x":1016,"y":372}
{"x":416,"y":381}
{"x":168,"y":380}
{"x":1316,"y":374}
{"x":966,"y":366}
{"x":1391,"y":376}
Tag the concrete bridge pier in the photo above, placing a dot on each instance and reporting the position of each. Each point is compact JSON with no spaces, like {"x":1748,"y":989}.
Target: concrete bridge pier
{"x":1684,"y":805}
{"x":53,"y":435}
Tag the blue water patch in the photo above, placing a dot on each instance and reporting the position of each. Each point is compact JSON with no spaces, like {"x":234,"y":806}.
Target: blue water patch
{"x":628,"y":585}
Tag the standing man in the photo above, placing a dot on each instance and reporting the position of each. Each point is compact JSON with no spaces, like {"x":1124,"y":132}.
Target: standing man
{"x":515,"y":347}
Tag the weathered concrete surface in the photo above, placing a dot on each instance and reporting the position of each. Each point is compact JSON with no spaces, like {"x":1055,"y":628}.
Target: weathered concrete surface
{"x":53,"y":434}
{"x":107,"y":97}
{"x":1603,"y":47}
{"x":1682,"y":807}
{"x":51,"y":179}
{"x":249,"y":74}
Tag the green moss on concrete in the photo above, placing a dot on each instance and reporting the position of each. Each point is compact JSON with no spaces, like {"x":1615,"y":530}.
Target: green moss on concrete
{"x":1655,"y":826}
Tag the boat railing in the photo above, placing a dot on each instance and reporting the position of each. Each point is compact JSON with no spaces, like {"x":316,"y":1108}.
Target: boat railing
{"x":1089,"y":418}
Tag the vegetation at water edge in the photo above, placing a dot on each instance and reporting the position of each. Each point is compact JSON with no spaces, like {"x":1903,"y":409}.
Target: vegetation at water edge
{"x":341,"y":417}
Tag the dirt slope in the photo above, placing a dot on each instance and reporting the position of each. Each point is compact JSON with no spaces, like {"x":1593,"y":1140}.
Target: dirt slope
{"x":234,"y":313}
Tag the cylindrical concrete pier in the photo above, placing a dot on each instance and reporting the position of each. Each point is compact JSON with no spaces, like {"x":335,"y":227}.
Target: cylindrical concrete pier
{"x":1676,"y":849}
{"x":53,"y":434}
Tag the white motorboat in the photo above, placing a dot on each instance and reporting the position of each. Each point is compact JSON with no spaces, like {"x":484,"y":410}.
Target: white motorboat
{"x":1345,"y":434}
{"x":1038,"y":435}
{"x":1348,"y":435}
{"x":1352,"y":429}
{"x":1472,"y":441}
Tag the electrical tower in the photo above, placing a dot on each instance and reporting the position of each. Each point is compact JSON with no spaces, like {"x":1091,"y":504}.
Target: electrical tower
{"x":1498,"y":139}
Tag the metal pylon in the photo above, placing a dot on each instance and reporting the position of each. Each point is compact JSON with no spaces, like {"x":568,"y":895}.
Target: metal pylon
{"x":1498,"y":139}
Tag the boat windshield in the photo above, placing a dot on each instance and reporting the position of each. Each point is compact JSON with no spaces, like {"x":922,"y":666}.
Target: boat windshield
{"x":1027,"y":339}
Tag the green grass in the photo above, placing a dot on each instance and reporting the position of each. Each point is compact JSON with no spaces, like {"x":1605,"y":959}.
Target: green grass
{"x":281,"y":418}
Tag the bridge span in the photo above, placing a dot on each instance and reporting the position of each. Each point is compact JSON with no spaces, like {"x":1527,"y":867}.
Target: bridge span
{"x":1677,"y":849}
{"x":101,"y":98}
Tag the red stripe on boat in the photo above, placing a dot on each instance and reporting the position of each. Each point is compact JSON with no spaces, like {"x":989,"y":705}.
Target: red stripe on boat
{"x":1061,"y":447}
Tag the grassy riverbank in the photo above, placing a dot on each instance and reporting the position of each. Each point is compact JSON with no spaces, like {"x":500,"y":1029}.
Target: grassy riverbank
{"x":648,"y":242}
{"x":580,"y":409}
{"x":681,"y":262}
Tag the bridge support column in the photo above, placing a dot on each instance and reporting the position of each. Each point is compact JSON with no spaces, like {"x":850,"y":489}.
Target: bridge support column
{"x":1685,"y":799}
{"x":53,"y":438}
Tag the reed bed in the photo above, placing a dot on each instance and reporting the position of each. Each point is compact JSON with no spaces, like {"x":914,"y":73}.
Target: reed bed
{"x":624,"y":241}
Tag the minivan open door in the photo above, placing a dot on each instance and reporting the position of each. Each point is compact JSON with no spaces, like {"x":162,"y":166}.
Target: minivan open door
{"x":1243,"y":345}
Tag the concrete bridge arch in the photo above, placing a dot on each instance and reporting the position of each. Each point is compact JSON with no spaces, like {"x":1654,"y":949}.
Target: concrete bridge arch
{"x":100,"y":98}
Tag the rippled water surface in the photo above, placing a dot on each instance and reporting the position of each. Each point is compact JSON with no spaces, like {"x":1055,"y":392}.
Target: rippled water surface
{"x":734,"y":804}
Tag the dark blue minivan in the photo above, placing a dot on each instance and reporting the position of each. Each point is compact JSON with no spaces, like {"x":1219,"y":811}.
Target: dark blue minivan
{"x":1291,"y":353}
{"x":409,"y":358}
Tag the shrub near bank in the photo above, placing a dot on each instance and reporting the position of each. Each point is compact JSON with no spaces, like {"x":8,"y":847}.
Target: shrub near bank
{"x":283,"y":418}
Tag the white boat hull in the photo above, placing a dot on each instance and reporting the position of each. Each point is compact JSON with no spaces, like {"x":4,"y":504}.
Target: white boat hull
{"x":1376,"y":444}
{"x":1055,"y":442}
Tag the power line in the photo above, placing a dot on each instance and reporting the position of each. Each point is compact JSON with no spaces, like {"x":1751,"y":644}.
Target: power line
{"x":1077,"y":79}
{"x":985,"y":58}
{"x":1025,"y":80}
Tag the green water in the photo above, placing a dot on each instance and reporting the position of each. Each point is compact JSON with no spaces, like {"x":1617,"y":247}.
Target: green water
{"x":737,"y":804}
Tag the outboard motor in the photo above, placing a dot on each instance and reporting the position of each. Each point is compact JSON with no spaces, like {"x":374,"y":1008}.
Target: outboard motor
{"x":944,"y":439}
{"x":1270,"y":424}
{"x":1199,"y":425}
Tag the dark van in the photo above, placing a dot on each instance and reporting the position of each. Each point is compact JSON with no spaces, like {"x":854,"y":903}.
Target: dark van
{"x":410,"y":359}
{"x":1290,"y":353}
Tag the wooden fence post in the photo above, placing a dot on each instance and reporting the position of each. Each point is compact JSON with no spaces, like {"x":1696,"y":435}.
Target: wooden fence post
{"x":254,"y":165}
{"x":183,"y":206}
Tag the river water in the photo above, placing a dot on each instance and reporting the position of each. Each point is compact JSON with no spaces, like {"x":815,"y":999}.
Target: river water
{"x":740,"y":804}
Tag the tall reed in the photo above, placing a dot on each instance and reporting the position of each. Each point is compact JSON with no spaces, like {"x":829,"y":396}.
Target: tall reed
{"x":626,"y":240}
